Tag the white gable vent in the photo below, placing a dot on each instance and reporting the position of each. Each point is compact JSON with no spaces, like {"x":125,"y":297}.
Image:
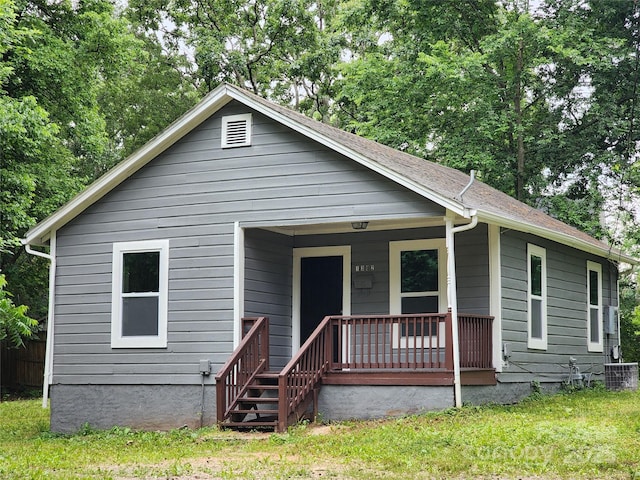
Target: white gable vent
{"x":236,"y":130}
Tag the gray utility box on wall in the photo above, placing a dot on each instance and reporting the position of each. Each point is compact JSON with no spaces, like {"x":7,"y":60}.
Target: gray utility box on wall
{"x":621,"y":376}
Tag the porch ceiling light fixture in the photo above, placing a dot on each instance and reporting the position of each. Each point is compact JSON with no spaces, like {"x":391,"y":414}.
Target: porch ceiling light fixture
{"x":359,"y":225}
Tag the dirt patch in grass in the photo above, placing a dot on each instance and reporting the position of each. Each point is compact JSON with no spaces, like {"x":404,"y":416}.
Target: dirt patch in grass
{"x":247,"y":466}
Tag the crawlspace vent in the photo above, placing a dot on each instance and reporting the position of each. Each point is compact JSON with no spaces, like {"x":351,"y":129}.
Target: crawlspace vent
{"x":236,"y":131}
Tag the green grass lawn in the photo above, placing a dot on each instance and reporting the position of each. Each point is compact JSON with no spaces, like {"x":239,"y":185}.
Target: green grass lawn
{"x":588,"y":434}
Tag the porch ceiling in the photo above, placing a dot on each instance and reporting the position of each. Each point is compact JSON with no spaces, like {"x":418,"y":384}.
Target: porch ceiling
{"x":346,"y":227}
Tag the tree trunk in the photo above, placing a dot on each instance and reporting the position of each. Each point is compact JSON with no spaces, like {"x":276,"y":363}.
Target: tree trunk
{"x":517,"y":103}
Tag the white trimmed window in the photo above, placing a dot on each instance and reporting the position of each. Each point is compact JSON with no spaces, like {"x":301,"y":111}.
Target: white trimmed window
{"x":537,"y":297}
{"x":418,"y":276}
{"x":594,"y":307}
{"x":418,"y":283}
{"x":236,"y":131}
{"x":140,"y":283}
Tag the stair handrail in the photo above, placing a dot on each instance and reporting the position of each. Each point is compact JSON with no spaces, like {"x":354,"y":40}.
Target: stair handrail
{"x":250,"y":358}
{"x":299,"y":378}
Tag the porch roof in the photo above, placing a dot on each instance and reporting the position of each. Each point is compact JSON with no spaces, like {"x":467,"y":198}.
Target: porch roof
{"x":436,"y":182}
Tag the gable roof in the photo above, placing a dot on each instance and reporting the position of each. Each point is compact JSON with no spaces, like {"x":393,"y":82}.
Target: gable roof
{"x":436,"y":182}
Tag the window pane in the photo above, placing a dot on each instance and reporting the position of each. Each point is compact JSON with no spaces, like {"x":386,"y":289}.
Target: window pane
{"x":595,"y":325}
{"x":139,"y":316}
{"x":536,"y":275}
{"x":420,"y":304}
{"x":140,"y":272}
{"x":593,"y":287}
{"x":536,"y":318}
{"x":419,"y":271}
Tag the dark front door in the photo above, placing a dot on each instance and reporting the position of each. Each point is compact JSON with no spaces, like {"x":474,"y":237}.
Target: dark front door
{"x":320,"y":291}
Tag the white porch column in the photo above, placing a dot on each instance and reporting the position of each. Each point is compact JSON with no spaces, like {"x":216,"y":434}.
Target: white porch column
{"x":238,"y":282}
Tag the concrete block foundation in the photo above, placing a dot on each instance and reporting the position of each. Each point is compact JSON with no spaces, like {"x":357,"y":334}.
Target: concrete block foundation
{"x":145,"y":407}
{"x":363,"y":402}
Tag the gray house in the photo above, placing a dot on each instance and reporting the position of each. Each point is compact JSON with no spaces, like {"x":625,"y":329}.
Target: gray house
{"x":250,"y":265}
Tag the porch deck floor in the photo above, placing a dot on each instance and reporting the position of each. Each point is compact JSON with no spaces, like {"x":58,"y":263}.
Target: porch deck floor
{"x":436,"y":377}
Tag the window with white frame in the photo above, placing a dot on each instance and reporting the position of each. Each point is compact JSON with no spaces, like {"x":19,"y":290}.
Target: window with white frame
{"x":594,"y":307}
{"x":140,"y":294}
{"x":537,"y":297}
{"x":418,"y":279}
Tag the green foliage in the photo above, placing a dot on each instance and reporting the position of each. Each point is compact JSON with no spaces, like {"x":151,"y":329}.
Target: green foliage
{"x":541,"y":102}
{"x":80,"y":88}
{"x":630,"y":320}
{"x":536,"y":390}
{"x":15,"y":325}
{"x":282,"y":49}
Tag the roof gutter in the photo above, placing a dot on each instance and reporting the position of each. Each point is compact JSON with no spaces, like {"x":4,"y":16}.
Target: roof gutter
{"x":562,"y":238}
{"x":48,"y":358}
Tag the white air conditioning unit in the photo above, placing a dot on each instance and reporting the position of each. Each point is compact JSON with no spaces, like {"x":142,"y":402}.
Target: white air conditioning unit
{"x":621,"y":376}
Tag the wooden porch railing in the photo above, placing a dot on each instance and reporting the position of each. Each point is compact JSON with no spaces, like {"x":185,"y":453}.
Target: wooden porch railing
{"x":362,"y":343}
{"x":298,"y":380}
{"x":391,"y":342}
{"x":475,"y":334}
{"x":248,"y":360}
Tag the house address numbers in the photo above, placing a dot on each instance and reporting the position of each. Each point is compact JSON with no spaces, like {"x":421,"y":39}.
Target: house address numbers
{"x":365,"y":268}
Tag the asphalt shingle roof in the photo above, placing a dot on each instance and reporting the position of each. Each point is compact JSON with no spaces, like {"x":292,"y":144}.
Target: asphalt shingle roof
{"x":444,"y":181}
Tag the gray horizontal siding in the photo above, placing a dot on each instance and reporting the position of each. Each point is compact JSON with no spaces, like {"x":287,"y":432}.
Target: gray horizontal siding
{"x":192,"y":194}
{"x":268,"y":266}
{"x":566,"y":310}
{"x":268,"y":287}
{"x":472,"y":270}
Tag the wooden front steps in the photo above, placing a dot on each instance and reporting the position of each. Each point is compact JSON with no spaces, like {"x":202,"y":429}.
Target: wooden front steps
{"x":257,"y":409}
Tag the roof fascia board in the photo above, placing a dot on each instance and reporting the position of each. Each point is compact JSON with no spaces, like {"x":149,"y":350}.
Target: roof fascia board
{"x":556,"y":237}
{"x":454,"y":206}
{"x":103,"y":185}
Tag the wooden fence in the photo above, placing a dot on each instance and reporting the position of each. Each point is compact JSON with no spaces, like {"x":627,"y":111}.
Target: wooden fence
{"x":22,"y":367}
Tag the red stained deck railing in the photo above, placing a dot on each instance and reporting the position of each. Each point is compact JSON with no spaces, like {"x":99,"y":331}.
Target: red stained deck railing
{"x":359,"y":343}
{"x":248,"y":360}
{"x":475,"y":334}
{"x":300,"y":377}
{"x":391,"y":342}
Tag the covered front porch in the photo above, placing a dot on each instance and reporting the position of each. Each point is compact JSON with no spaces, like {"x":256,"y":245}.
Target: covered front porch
{"x":337,"y":305}
{"x":392,"y":350}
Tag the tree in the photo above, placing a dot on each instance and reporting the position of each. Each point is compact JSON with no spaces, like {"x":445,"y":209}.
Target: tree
{"x":494,"y":87}
{"x":15,"y":325}
{"x":80,"y":88}
{"x":629,"y":319}
{"x":544,"y":104}
{"x":34,"y":162}
{"x":280,"y":49}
